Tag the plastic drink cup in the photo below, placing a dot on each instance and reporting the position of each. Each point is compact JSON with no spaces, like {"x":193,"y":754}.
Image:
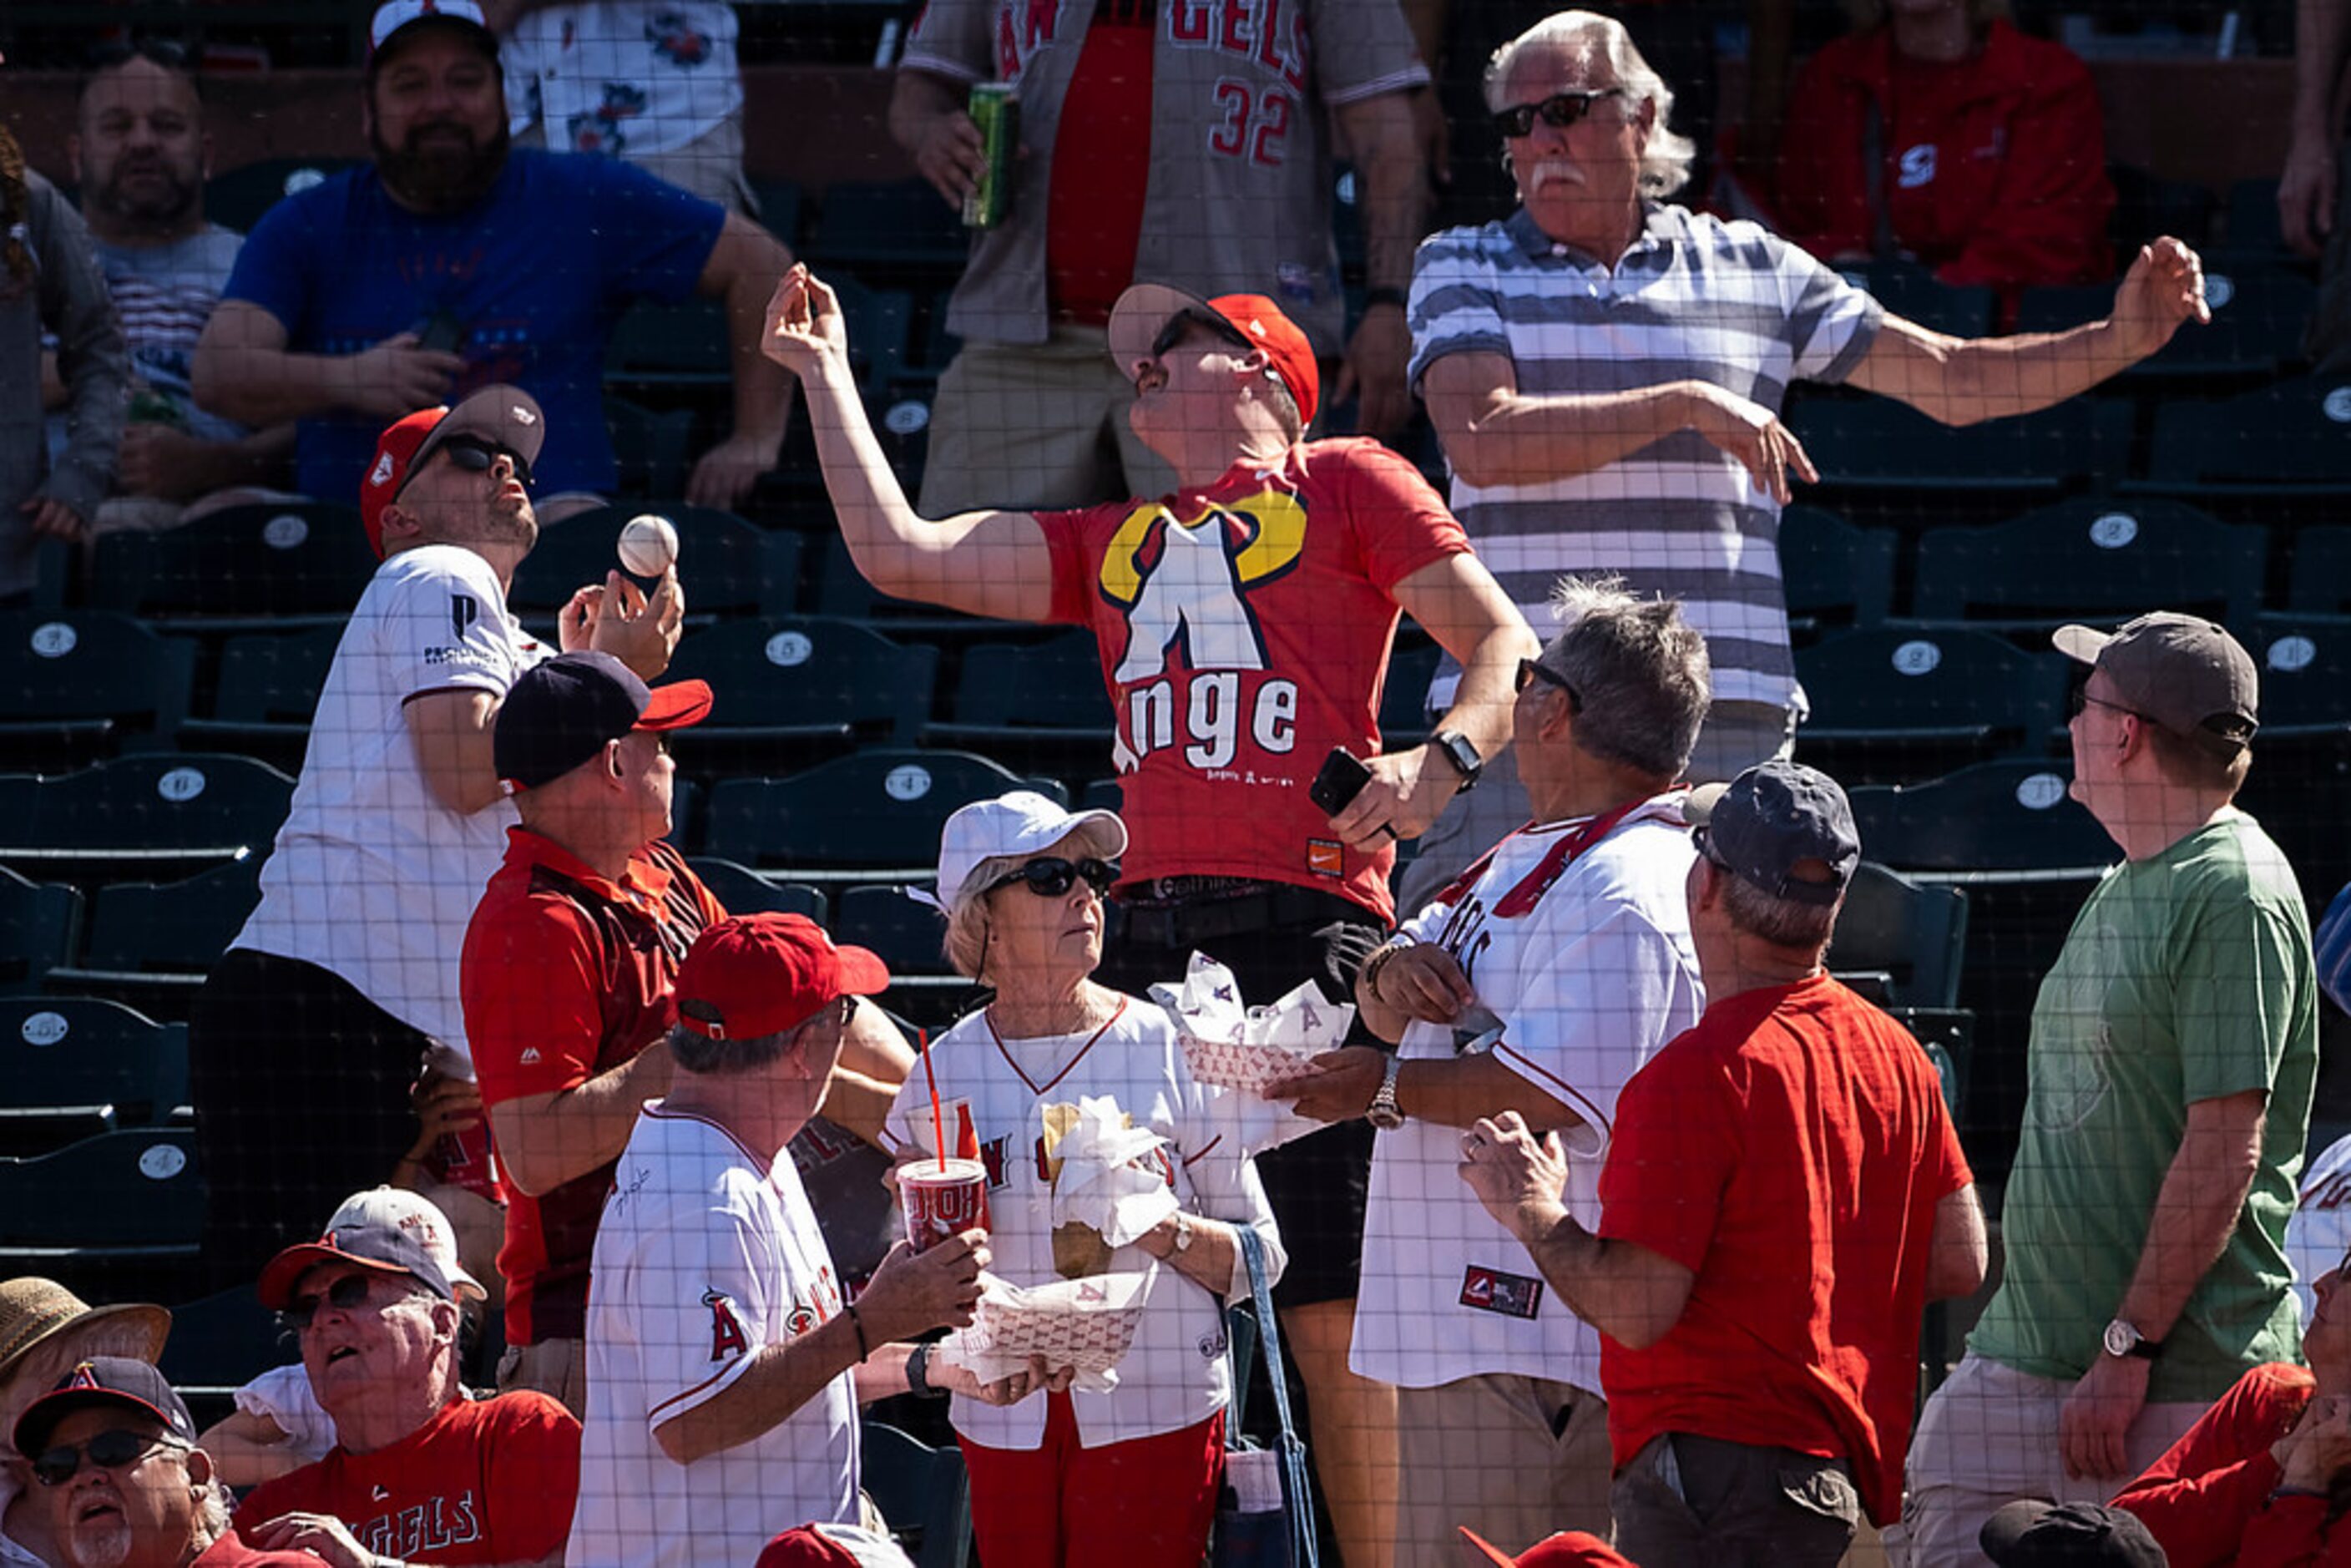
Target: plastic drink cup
{"x":942,"y":1198}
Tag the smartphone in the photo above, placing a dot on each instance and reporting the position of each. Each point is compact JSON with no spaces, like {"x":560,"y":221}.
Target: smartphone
{"x":441,"y":331}
{"x":1341,"y":778}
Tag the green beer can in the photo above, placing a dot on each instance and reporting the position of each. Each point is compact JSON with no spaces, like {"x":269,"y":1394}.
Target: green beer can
{"x":995,"y":110}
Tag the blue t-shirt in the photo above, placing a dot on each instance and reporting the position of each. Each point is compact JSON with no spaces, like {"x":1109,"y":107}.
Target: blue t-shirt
{"x":536,"y":272}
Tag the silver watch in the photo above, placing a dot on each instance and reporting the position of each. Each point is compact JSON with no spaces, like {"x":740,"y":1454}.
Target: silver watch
{"x":2122,"y":1338}
{"x":1384,"y":1112}
{"x":1183,"y":1234}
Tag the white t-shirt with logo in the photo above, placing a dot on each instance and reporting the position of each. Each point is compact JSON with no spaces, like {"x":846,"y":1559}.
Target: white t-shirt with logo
{"x":372,"y":878}
{"x":1589,"y":976}
{"x":707,"y":1252}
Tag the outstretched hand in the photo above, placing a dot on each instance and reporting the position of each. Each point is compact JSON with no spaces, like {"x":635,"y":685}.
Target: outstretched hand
{"x":804,"y":323}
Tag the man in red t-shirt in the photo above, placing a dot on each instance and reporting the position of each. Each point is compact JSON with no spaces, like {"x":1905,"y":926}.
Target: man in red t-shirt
{"x":1782,"y":1196}
{"x":419,"y":1472}
{"x":1244,"y":622}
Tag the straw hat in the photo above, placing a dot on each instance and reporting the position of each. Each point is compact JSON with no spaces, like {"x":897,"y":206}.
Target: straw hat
{"x":33,"y":1309}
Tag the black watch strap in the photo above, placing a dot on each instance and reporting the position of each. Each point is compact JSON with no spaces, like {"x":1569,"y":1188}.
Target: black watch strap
{"x":1461,"y":755}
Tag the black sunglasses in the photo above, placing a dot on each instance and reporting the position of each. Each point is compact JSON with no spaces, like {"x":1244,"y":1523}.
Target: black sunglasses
{"x":2079,"y":698}
{"x":1530,"y":670}
{"x":1561,"y":109}
{"x":109,"y":1450}
{"x":1180,"y":324}
{"x":1050,"y":876}
{"x":1705,"y":843}
{"x":346,"y":1294}
{"x":161,"y":52}
{"x":475,"y":456}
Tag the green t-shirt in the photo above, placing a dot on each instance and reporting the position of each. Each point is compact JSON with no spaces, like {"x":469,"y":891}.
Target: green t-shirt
{"x":2186,"y":977}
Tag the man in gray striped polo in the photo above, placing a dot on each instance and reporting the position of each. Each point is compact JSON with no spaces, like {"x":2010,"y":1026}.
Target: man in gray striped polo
{"x":1606,"y":371}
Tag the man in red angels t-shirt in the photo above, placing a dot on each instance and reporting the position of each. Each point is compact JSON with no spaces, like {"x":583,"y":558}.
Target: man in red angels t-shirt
{"x":1783,"y":1194}
{"x":419,"y":1472}
{"x":1244,"y":622}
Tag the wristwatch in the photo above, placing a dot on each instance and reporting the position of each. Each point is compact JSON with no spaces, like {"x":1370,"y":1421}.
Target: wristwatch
{"x":2122,"y":1338}
{"x":1183,"y":1234}
{"x":1383,"y":1111}
{"x":918,"y":1369}
{"x":1461,"y":754}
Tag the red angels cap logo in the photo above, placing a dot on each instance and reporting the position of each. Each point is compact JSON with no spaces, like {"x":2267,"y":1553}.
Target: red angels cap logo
{"x":84,"y":1376}
{"x":726,"y":1335}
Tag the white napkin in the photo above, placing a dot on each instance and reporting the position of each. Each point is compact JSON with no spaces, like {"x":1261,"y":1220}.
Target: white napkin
{"x":1240,"y":1048}
{"x":1108,"y":1180}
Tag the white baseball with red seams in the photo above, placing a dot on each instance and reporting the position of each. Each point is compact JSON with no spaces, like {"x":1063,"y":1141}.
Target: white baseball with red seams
{"x":648,"y":545}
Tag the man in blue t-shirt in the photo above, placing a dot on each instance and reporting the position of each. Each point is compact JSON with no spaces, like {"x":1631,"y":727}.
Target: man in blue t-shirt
{"x":454,"y":262}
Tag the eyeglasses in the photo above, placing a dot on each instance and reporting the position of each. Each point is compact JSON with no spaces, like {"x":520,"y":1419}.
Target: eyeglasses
{"x":2080,"y":698}
{"x":163,"y":52}
{"x":1705,"y":843}
{"x":1530,"y":670}
{"x":1561,"y":109}
{"x":1050,"y":876}
{"x":475,"y":456}
{"x":345,"y":1295}
{"x":1180,"y":325}
{"x":111,"y":1450}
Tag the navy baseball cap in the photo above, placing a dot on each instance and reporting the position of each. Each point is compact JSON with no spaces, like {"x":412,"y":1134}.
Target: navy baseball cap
{"x":2035,"y":1534}
{"x":117,"y":1380}
{"x":560,"y":714}
{"x":1771,"y":819}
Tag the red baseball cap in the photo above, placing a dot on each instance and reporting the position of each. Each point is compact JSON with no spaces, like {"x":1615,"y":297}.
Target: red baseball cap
{"x":751,"y":976}
{"x":1145,"y":309}
{"x":1568,"y":1549}
{"x":502,"y":415}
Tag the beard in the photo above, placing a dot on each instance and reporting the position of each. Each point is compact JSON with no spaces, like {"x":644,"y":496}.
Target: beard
{"x":104,"y":1545}
{"x":165,"y":200}
{"x":435,"y":172}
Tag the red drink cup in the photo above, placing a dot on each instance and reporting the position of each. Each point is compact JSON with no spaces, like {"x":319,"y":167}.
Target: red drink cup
{"x":943,"y":1198}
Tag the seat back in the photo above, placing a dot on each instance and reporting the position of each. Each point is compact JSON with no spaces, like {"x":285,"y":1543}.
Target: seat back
{"x":269,"y":559}
{"x":2092,"y":558}
{"x":142,"y":814}
{"x":876,"y":809}
{"x":124,"y":1194}
{"x":923,"y":1492}
{"x":1894,"y":704}
{"x":743,"y":891}
{"x":1833,"y":572}
{"x":75,"y":682}
{"x":1909,"y":932}
{"x":39,"y":923}
{"x":72,"y":1066}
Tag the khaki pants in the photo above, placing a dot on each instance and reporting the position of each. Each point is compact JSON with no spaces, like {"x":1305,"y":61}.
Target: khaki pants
{"x":555,"y":1367}
{"x":1515,"y":1459}
{"x":1989,"y":1437}
{"x":1031,"y":427}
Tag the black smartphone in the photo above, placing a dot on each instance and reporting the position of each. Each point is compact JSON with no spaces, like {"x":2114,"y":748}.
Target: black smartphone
{"x":441,"y":332}
{"x":1341,"y":778}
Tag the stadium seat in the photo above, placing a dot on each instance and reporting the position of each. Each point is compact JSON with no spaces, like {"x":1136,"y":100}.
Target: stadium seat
{"x":39,"y":923}
{"x":651,"y":448}
{"x":138,"y":816}
{"x":2288,"y":441}
{"x":2258,"y":314}
{"x":119,"y":1195}
{"x":881,"y":323}
{"x":924,"y":1493}
{"x":780,"y":201}
{"x":861,"y":818}
{"x":77,"y":684}
{"x":2318,"y":580}
{"x":72,"y":1067}
{"x":668,"y":346}
{"x":895,"y":230}
{"x":1834,"y":573}
{"x":1907,"y":935}
{"x":2092,"y":559}
{"x":2255,"y":232}
{"x":223,"y":1342}
{"x":1039,"y":707}
{"x":791,"y":690}
{"x":242,"y":569}
{"x":744,"y":892}
{"x":237,"y":199}
{"x":1894,"y":705}
{"x":1874,"y":445}
{"x":841,"y":590}
{"x":2301,"y":775}
{"x":1913,"y":292}
{"x":922,"y":990}
{"x":156,"y":942}
{"x":265,"y":696}
{"x":724,"y":562}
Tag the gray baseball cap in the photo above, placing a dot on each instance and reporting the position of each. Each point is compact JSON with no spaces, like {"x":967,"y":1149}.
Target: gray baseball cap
{"x":2185,"y":673}
{"x":1772,"y":819}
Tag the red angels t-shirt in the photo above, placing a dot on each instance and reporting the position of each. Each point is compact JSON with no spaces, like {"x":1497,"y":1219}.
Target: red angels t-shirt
{"x":1244,"y":630}
{"x":486,"y":1481}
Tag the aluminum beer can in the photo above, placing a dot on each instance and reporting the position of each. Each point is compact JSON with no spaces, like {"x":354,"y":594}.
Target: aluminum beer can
{"x":995,"y":110}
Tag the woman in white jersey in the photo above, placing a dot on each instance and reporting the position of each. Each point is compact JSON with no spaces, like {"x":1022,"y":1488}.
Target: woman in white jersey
{"x":1130,"y":1475}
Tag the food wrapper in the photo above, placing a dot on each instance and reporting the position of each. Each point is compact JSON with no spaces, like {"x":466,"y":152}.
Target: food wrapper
{"x":1229,"y":1045}
{"x":1086,"y":1323}
{"x":1105,"y":1174}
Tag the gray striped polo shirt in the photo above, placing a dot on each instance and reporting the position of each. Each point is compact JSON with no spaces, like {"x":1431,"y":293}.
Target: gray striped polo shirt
{"x":1694,"y":298}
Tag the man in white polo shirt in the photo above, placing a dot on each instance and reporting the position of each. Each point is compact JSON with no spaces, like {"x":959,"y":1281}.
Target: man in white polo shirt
{"x":307,"y":1034}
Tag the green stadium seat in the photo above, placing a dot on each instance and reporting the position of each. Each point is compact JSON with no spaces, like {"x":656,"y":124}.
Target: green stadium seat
{"x":923,"y":1493}
{"x":1867,"y":446}
{"x":1908,"y":935}
{"x":1040,"y":708}
{"x":77,"y":684}
{"x":746,"y":891}
{"x":2318,"y":581}
{"x":72,"y":1067}
{"x":117,"y":1196}
{"x":2290,"y":440}
{"x":266,"y":694}
{"x":2092,"y":559}
{"x":1893,"y":705}
{"x":156,"y":942}
{"x":906,"y":937}
{"x":224,"y":1342}
{"x":870,"y":815}
{"x":135,"y":817}
{"x":39,"y":924}
{"x":789,"y":690}
{"x":1834,"y":573}
{"x":2301,"y":775}
{"x":669,"y":345}
{"x":254,"y":568}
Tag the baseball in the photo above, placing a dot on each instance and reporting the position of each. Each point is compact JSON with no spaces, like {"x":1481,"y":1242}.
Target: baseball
{"x":648,"y":545}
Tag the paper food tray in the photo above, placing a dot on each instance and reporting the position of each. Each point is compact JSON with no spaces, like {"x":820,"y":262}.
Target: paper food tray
{"x":1234,"y":1064}
{"x":1087,"y":1323}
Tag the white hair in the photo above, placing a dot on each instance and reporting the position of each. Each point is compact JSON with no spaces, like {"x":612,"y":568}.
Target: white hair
{"x":1588,"y":34}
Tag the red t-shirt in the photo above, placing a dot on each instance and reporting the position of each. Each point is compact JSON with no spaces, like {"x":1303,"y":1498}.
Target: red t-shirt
{"x":1244,"y":631}
{"x":2207,"y":1501}
{"x":567,"y":975}
{"x":482,"y":1482}
{"x":1790,"y":1149}
{"x":1101,"y":164}
{"x":228,"y":1552}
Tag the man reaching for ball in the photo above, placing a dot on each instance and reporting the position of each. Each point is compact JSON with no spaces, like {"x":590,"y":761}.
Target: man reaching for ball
{"x":311,"y":1028}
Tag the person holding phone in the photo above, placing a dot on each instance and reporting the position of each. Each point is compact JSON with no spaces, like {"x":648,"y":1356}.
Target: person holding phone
{"x":1245,"y":622}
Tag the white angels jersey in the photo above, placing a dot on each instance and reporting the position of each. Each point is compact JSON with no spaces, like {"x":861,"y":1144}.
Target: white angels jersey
{"x":1576,"y":937}
{"x":1175,"y":1375}
{"x":707,"y":1252}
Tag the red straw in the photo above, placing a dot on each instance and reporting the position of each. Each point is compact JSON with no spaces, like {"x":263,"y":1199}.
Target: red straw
{"x":938,"y":1123}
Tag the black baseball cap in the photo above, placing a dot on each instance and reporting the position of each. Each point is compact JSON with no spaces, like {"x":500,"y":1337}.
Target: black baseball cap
{"x":117,"y":1380}
{"x":1771,"y":819}
{"x":2037,"y":1534}
{"x":560,"y":714}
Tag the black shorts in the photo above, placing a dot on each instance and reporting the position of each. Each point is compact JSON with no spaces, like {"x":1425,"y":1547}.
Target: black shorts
{"x":1319,"y":1184}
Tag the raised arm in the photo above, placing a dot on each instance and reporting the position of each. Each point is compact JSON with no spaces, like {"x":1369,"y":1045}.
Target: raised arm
{"x":989,"y":563}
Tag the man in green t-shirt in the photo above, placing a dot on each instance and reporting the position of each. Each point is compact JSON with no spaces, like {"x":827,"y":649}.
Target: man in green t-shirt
{"x":2174,"y":1046}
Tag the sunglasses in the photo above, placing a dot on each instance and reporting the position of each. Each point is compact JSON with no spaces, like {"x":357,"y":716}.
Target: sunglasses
{"x":109,"y":1450}
{"x":1529,"y":670}
{"x":1179,"y":326}
{"x":154,"y":51}
{"x":1561,"y":109}
{"x":475,"y":456}
{"x":346,"y":1295}
{"x":1705,"y":842}
{"x":1050,"y":876}
{"x":2079,"y":698}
